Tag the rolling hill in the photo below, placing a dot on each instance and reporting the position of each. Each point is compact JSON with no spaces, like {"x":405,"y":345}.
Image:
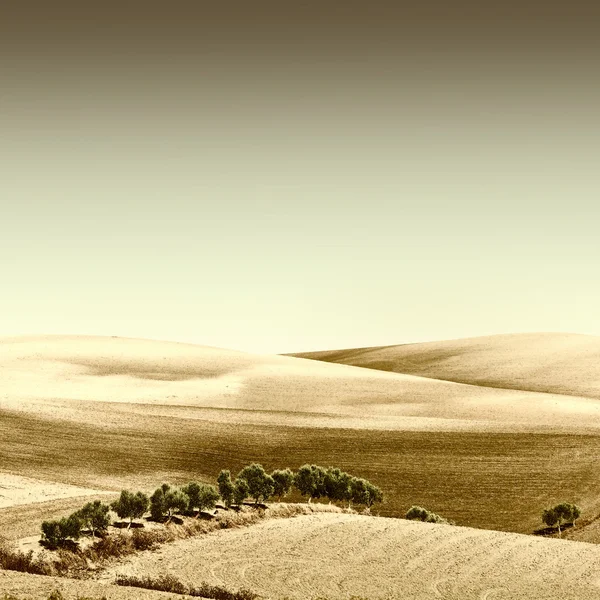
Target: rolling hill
{"x":107,"y":413}
{"x":339,"y":555}
{"x":553,"y":363}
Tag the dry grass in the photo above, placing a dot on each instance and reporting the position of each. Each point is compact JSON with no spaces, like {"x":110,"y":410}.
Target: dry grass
{"x":82,"y":561}
{"x":20,"y":586}
{"x":336,"y":556}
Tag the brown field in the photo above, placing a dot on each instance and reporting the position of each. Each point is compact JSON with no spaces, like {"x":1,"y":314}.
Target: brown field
{"x":337,"y":556}
{"x":101,"y":414}
{"x":105,"y":413}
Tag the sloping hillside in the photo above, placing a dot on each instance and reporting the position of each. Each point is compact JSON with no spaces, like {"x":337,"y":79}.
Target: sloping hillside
{"x":553,"y":363}
{"x":335,"y":556}
{"x":68,"y":377}
{"x":104,"y":413}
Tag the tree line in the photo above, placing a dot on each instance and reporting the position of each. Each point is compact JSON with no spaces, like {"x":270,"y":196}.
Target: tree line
{"x":311,"y":481}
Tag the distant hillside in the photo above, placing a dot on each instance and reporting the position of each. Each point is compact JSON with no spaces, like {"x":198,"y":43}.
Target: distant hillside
{"x":553,"y":363}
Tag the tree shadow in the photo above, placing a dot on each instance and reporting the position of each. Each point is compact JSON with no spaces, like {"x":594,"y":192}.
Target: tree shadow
{"x":125,"y":525}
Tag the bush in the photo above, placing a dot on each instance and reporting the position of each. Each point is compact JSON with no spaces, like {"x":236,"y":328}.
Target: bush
{"x":131,"y":506}
{"x":56,"y":534}
{"x":226,"y":487}
{"x":169,"y":583}
{"x":418,"y":513}
{"x":15,"y":560}
{"x":94,"y":516}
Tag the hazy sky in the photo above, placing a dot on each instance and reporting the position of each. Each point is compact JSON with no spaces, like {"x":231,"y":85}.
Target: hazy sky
{"x":299,"y":175}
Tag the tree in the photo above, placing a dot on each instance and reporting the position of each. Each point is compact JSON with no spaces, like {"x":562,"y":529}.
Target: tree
{"x":130,"y":506}
{"x":175,"y":501}
{"x":359,"y":491}
{"x":157,"y":502}
{"x":200,"y":495}
{"x":565,"y":512}
{"x":240,"y":491}
{"x":337,"y":485}
{"x":310,"y":481}
{"x":94,"y":516}
{"x":418,"y":513}
{"x":56,"y":533}
{"x":226,"y":487}
{"x":260,"y":483}
{"x":282,"y":482}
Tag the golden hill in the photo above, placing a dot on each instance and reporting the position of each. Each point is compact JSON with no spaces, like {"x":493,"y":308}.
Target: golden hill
{"x":554,"y":363}
{"x":107,"y":413}
{"x":339,"y":555}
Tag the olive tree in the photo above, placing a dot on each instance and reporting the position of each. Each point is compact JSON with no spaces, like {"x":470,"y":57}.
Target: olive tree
{"x":310,"y":481}
{"x":94,"y":516}
{"x":338,"y":485}
{"x":158,"y":506}
{"x":200,"y":496}
{"x":56,"y":534}
{"x":260,"y":484}
{"x":130,"y":506}
{"x":565,"y":512}
{"x":283,"y":480}
{"x":240,"y":491}
{"x":226,"y":487}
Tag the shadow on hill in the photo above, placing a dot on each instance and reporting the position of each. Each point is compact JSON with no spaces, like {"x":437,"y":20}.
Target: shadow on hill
{"x":550,"y":531}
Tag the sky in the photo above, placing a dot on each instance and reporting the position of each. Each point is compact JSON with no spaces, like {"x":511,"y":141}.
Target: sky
{"x":279,"y":177}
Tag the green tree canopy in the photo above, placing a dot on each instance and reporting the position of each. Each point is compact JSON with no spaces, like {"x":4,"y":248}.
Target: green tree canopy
{"x":200,"y":495}
{"x":130,"y":506}
{"x":418,"y":513}
{"x":56,"y":533}
{"x":260,"y":484}
{"x":94,"y":516}
{"x":565,"y":512}
{"x":283,"y":480}
{"x":226,"y":487}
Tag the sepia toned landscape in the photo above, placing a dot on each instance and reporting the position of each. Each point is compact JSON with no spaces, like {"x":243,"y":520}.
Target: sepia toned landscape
{"x":299,"y":300}
{"x":440,"y":425}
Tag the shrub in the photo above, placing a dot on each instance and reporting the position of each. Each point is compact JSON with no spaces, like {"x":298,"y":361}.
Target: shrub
{"x":226,"y":487}
{"x":56,"y":534}
{"x":15,"y":560}
{"x":418,"y":513}
{"x":260,"y":483}
{"x":94,"y":516}
{"x":131,"y":506}
{"x":282,"y":482}
{"x":169,"y":583}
